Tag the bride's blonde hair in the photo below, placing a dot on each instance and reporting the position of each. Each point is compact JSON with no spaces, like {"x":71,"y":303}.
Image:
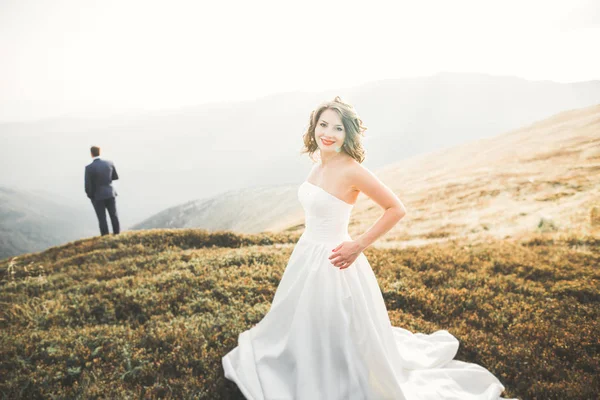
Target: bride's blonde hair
{"x":353,"y":126}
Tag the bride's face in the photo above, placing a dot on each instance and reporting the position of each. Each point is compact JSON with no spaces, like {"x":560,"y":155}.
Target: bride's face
{"x":329,"y":132}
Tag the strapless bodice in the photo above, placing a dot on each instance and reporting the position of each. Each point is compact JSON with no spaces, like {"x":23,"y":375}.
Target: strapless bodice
{"x":326,"y":216}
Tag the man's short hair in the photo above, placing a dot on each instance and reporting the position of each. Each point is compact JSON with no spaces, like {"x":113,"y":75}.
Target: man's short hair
{"x":95,"y":151}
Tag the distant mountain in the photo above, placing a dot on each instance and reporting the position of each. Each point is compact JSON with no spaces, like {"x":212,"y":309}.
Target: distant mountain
{"x":248,"y":210}
{"x":170,"y":157}
{"x":31,"y":222}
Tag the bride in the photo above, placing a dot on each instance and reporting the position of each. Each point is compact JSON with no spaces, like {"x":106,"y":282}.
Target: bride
{"x":327,"y":334}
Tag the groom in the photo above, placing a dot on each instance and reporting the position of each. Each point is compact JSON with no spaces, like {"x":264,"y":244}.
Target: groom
{"x":98,"y":187}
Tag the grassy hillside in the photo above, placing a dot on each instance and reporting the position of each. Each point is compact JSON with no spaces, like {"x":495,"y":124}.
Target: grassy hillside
{"x":544,"y":173}
{"x":150,"y":314}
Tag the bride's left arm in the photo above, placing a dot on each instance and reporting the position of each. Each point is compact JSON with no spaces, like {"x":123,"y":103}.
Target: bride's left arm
{"x":394,"y":210}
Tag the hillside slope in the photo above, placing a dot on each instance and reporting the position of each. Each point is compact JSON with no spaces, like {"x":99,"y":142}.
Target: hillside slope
{"x":150,"y":314}
{"x":32,"y":222}
{"x":247,"y":210}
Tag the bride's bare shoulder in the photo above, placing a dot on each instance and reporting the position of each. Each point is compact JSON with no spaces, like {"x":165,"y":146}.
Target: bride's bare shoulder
{"x":356,"y":172}
{"x":351,"y":170}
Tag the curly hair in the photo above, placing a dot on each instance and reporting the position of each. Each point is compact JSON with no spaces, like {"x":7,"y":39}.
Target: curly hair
{"x":353,"y":126}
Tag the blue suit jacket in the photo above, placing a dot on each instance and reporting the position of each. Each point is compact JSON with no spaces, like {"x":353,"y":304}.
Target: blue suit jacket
{"x":99,"y":175}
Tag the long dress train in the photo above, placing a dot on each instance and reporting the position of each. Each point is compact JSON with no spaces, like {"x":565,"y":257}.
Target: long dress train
{"x":328,"y":335}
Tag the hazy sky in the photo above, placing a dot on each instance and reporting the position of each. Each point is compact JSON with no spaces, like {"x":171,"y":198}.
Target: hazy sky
{"x":84,"y":57}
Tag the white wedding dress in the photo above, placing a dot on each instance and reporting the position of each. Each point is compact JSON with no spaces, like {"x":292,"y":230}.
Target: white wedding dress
{"x":328,"y":335}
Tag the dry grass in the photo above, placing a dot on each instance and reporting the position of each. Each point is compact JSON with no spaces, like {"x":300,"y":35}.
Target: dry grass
{"x":150,"y":314}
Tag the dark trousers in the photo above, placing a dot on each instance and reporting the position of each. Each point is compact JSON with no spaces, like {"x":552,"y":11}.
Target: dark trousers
{"x":101,"y":206}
